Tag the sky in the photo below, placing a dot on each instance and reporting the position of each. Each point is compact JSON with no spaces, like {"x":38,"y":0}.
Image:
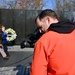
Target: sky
{"x":49,"y":4}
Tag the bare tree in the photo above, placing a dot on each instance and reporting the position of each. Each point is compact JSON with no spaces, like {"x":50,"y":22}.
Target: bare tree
{"x":29,"y":4}
{"x":22,"y":4}
{"x":65,"y":5}
{"x":11,"y":4}
{"x":65,"y":9}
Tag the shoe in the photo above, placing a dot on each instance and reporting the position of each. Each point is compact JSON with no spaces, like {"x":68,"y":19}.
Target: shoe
{"x":6,"y":57}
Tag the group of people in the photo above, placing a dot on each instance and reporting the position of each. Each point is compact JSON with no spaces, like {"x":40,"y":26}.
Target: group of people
{"x":54,"y":52}
{"x":3,"y":43}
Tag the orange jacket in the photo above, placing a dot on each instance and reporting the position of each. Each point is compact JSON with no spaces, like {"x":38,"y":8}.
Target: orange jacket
{"x":54,"y":54}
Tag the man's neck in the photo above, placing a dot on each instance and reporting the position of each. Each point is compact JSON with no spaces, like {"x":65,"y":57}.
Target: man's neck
{"x":54,"y":21}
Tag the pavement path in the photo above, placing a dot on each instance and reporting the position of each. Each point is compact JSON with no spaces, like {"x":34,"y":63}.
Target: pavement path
{"x":18,"y":63}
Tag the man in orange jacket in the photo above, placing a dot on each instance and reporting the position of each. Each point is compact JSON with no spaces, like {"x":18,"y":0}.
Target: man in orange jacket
{"x":54,"y":52}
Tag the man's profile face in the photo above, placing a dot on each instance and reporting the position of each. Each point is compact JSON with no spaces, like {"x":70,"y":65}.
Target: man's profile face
{"x":42,"y":24}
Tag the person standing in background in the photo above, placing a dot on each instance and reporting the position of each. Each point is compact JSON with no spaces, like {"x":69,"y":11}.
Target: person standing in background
{"x":2,"y":52}
{"x":4,"y":40}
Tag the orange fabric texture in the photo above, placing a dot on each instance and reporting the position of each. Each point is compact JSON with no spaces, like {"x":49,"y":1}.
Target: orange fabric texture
{"x":54,"y":54}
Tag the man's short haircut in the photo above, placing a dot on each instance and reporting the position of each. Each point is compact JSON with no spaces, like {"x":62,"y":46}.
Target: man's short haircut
{"x":47,"y":12}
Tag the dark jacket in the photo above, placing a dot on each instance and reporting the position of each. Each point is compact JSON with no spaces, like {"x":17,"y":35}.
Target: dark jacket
{"x":4,"y":36}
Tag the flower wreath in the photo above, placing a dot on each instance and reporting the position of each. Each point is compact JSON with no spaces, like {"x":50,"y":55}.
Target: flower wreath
{"x":11,"y":34}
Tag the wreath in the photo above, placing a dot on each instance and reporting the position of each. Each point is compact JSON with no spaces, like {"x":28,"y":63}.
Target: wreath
{"x":11,"y":34}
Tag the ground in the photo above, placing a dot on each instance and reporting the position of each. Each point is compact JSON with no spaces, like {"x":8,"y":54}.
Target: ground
{"x":18,"y":63}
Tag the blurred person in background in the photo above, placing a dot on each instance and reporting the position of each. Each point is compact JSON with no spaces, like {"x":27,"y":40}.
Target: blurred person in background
{"x":4,"y":40}
{"x":4,"y":55}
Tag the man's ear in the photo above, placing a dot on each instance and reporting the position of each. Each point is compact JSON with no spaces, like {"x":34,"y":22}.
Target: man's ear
{"x":48,"y":19}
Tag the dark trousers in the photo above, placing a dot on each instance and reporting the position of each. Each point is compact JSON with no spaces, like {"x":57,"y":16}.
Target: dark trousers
{"x":5,"y":49}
